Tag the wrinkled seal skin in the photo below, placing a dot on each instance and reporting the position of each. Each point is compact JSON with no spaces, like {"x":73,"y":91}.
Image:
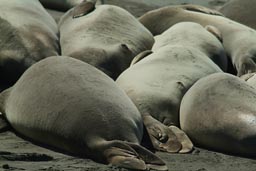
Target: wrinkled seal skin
{"x":157,"y":83}
{"x":72,"y":106}
{"x":242,"y":11}
{"x":218,"y":112}
{"x":239,"y":40}
{"x":107,"y":38}
{"x":28,"y":34}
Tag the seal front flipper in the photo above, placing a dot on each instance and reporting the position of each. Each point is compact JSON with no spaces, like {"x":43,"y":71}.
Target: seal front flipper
{"x":140,"y":56}
{"x":83,"y":9}
{"x":162,"y":137}
{"x":187,"y":145}
{"x":197,"y":8}
{"x":129,"y":155}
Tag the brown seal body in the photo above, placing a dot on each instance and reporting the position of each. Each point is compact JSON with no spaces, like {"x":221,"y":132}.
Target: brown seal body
{"x":157,"y":83}
{"x":28,"y":34}
{"x":218,"y":112}
{"x":108,"y":37}
{"x":65,"y":103}
{"x":239,"y":40}
{"x":242,"y":11}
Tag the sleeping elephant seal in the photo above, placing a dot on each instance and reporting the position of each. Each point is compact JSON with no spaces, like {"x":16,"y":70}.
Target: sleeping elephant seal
{"x":157,"y":83}
{"x":28,"y":34}
{"x":239,"y":40}
{"x":72,"y":106}
{"x":242,"y":11}
{"x":107,"y":38}
{"x":219,"y":112}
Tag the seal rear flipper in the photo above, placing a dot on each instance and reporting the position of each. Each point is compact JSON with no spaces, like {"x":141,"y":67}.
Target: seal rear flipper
{"x":201,"y":9}
{"x":140,"y":56}
{"x":83,"y":9}
{"x":187,"y":145}
{"x":132,"y":156}
{"x":162,"y":137}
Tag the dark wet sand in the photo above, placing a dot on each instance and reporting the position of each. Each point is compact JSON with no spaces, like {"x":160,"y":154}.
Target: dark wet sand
{"x":18,"y":154}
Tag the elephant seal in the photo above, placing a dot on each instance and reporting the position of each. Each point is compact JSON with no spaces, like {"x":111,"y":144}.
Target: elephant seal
{"x":242,"y":11}
{"x":219,"y":112}
{"x":157,"y":82}
{"x":107,"y":37}
{"x":28,"y":34}
{"x":239,"y":40}
{"x":65,"y":103}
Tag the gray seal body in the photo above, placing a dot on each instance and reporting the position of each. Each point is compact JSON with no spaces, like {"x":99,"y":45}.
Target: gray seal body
{"x":72,"y":106}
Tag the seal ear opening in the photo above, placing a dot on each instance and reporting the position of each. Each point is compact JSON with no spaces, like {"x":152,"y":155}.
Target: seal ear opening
{"x":215,"y":31}
{"x":83,"y":9}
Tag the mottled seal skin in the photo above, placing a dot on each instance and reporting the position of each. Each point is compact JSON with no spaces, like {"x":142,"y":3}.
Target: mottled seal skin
{"x":218,"y":112}
{"x":107,"y":38}
{"x":239,"y":40}
{"x":157,"y":83}
{"x":28,"y":34}
{"x":242,"y":11}
{"x":70,"y":105}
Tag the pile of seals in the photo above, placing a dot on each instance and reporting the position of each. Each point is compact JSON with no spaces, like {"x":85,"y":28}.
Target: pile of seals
{"x":97,"y":82}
